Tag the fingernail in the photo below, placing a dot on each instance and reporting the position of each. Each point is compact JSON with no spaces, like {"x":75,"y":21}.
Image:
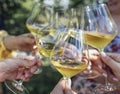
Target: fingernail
{"x":33,"y":41}
{"x":34,"y":60}
{"x":104,"y":74}
{"x":33,"y":69}
{"x":99,"y":66}
{"x":103,"y":54}
{"x":115,"y":79}
{"x":34,"y":47}
{"x":89,"y":67}
{"x":39,"y":63}
{"x":69,"y":82}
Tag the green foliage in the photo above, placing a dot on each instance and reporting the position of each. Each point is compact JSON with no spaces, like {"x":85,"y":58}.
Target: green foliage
{"x":44,"y":82}
{"x":14,"y":14}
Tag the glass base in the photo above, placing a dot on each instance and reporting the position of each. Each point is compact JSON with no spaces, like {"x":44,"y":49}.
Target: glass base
{"x":16,"y":87}
{"x":110,"y":89}
{"x":90,"y":74}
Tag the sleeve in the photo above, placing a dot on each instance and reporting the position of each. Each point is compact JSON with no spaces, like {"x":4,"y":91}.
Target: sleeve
{"x":4,"y":53}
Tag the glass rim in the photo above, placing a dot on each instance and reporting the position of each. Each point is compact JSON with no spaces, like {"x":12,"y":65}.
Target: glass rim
{"x":94,"y":6}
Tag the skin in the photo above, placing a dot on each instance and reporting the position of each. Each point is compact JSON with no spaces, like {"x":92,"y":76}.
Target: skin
{"x":114,"y":6}
{"x":18,"y":68}
{"x":62,"y":88}
{"x":24,"y":42}
{"x":113,"y":61}
{"x":106,"y":63}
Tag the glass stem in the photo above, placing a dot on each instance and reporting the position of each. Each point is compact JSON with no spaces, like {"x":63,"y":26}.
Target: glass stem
{"x":20,"y":82}
{"x":67,"y":82}
{"x":107,"y":82}
{"x":106,"y":78}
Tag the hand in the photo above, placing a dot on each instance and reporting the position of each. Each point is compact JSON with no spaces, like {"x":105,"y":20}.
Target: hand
{"x":24,"y":42}
{"x":95,"y":62}
{"x":18,"y":68}
{"x":104,"y":60}
{"x":113,"y":61}
{"x":62,"y":88}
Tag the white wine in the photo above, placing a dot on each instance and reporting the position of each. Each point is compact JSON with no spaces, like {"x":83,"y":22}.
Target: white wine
{"x":98,"y":40}
{"x":45,"y":39}
{"x":69,"y":68}
{"x":45,"y":48}
{"x":36,"y":31}
{"x":66,"y":56}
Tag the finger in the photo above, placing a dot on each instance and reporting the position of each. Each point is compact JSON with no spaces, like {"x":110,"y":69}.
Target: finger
{"x":27,"y":40}
{"x":96,"y":61}
{"x":114,"y":56}
{"x":94,"y":57}
{"x":59,"y":88}
{"x":33,"y":69}
{"x":27,"y":61}
{"x":112,"y":77}
{"x":19,"y":75}
{"x":26,"y":47}
{"x":25,"y":79}
{"x":69,"y":53}
{"x":99,"y":70}
{"x":69,"y":91}
{"x":27,"y":73}
{"x":28,"y":35}
{"x":110,"y":62}
{"x":93,"y":52}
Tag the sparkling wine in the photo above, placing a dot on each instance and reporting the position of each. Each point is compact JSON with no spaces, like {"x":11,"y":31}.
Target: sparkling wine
{"x":98,"y":40}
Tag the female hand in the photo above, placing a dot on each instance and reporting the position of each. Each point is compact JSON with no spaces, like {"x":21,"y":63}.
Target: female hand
{"x":102,"y":60}
{"x":24,"y":42}
{"x":62,"y":88}
{"x":113,"y":61}
{"x":18,"y":68}
{"x":95,"y":62}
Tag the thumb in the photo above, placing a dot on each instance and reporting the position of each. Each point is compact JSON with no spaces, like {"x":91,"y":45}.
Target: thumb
{"x":67,"y":88}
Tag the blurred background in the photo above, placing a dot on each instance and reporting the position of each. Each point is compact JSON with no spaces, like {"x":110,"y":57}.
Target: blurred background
{"x":13,"y":15}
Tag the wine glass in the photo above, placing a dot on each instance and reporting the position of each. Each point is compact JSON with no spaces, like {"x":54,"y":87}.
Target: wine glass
{"x":100,"y":30}
{"x":46,"y":23}
{"x":41,"y":24}
{"x":67,"y":54}
{"x":16,"y":86}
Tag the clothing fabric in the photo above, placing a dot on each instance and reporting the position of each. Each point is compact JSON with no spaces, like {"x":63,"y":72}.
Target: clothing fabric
{"x":4,"y":53}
